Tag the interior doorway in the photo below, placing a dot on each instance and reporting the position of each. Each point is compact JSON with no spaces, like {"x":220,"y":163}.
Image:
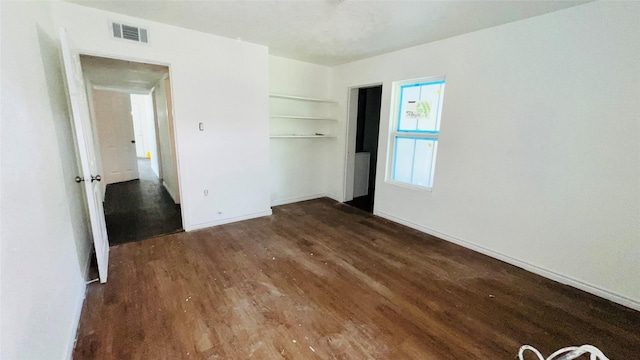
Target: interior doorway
{"x":133,"y":129}
{"x":365,"y":113}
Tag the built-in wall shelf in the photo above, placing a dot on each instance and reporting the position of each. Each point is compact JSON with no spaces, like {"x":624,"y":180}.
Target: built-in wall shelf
{"x":303,"y":137}
{"x":301,"y":98}
{"x":301,"y":117}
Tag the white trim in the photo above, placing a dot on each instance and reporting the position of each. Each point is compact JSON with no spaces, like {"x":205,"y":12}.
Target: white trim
{"x":121,"y":89}
{"x":172,"y":193}
{"x":123,"y":57}
{"x":297,"y":199}
{"x":415,"y":135}
{"x":301,"y":98}
{"x":394,"y":123}
{"x":409,"y":185}
{"x":333,"y":197}
{"x":228,"y":220}
{"x":183,"y":204}
{"x":549,"y":274}
{"x":176,"y":153}
{"x":82,"y":292}
{"x":305,"y":198}
{"x":350,"y":131}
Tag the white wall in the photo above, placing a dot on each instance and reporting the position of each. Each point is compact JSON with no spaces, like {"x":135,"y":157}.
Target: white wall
{"x":538,"y":161}
{"x":299,"y":166}
{"x":220,"y":82}
{"x":42,"y":285}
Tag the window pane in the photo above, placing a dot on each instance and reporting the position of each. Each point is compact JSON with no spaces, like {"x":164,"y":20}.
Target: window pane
{"x":420,"y":107}
{"x":414,"y":160}
{"x":409,"y":95}
{"x":423,"y":162}
{"x":404,"y":155}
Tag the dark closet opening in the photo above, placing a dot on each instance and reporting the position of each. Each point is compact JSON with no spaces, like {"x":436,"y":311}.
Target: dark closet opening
{"x":367,"y":134}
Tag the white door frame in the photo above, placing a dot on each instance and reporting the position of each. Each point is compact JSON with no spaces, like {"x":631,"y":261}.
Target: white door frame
{"x":183,"y":204}
{"x":350,"y":139}
{"x":157,"y":133}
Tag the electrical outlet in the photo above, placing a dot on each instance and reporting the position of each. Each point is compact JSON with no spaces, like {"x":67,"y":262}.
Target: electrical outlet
{"x":206,"y":193}
{"x":201,"y":126}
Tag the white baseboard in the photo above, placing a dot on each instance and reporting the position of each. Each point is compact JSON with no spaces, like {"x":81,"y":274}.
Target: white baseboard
{"x":333,"y":197}
{"x":297,"y":199}
{"x":75,"y":323}
{"x":549,"y":274}
{"x":305,"y":198}
{"x":228,"y":220}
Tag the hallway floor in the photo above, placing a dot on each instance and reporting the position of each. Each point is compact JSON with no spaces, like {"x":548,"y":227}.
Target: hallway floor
{"x":139,"y":209}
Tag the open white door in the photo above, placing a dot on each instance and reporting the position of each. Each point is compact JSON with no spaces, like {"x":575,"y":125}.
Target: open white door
{"x":138,"y":114}
{"x":86,"y":149}
{"x":114,"y":126}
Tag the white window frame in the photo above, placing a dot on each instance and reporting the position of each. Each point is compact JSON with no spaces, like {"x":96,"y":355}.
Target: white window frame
{"x":395,"y":133}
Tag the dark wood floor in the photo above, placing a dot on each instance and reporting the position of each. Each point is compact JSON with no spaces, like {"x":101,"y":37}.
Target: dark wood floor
{"x":322,"y":280}
{"x":139,"y":209}
{"x":364,"y":203}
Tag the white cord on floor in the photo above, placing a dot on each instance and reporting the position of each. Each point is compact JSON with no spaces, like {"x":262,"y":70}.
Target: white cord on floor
{"x":567,"y":353}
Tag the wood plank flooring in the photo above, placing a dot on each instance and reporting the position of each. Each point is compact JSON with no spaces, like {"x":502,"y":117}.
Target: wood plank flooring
{"x":322,"y":280}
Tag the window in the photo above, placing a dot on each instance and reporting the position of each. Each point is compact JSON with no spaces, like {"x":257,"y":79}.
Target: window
{"x":418,"y":105}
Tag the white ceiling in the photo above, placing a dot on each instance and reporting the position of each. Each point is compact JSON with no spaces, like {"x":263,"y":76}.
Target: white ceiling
{"x":121,"y":75}
{"x":332,"y":32}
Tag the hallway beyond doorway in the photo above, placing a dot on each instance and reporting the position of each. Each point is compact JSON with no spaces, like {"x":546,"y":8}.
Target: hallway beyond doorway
{"x":139,"y":209}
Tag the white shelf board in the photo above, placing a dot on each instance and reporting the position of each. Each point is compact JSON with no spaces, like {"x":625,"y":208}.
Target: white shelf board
{"x":301,"y":98}
{"x":301,"y":117}
{"x":303,"y":137}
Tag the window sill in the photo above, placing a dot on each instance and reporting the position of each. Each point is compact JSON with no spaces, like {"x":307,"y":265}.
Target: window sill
{"x":409,"y":186}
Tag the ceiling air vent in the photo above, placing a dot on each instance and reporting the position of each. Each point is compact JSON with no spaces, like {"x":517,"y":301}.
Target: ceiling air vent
{"x":127,"y":32}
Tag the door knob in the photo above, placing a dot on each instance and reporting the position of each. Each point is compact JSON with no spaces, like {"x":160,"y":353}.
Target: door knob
{"x":96,"y":178}
{"x":78,"y":179}
{"x":133,"y":141}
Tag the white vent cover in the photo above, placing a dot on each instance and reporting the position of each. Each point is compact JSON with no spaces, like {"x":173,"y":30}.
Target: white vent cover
{"x":128,"y":32}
